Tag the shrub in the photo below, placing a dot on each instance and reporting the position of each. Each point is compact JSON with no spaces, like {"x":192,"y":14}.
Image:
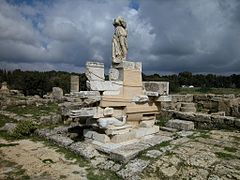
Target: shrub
{"x":24,"y":128}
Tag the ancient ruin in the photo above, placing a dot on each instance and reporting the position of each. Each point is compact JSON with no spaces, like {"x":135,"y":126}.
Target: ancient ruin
{"x":125,"y":107}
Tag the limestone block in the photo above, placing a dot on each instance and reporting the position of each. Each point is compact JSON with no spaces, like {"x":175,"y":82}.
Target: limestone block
{"x":237,"y":123}
{"x":118,"y":130}
{"x":140,"y":99}
{"x":104,"y":85}
{"x":103,"y":138}
{"x":108,"y":111}
{"x":105,"y":122}
{"x":141,"y":132}
{"x":118,"y":138}
{"x":113,"y":74}
{"x":95,"y":71}
{"x":147,"y":124}
{"x":57,"y":93}
{"x":74,"y":83}
{"x":128,"y":65}
{"x":111,"y":93}
{"x":86,"y":94}
{"x":180,"y":124}
{"x":95,"y":112}
{"x":161,"y":87}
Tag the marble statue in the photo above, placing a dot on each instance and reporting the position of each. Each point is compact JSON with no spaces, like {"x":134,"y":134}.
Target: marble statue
{"x":119,"y":41}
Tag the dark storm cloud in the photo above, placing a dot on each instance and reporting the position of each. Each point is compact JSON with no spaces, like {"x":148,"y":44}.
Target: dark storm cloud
{"x":166,"y":35}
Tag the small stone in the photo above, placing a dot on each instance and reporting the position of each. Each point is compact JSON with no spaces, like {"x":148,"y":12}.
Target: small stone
{"x":9,"y":127}
{"x":154,"y":153}
{"x":168,"y":171}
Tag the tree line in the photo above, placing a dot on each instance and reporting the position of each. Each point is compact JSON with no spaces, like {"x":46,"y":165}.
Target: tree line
{"x":40,"y":83}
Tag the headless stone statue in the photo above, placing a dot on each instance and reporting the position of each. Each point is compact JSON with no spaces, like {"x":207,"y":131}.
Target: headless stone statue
{"x":119,"y":41}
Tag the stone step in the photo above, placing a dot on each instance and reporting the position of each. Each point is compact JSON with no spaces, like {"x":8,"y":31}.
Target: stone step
{"x":188,"y":109}
{"x":180,"y":124}
{"x":190,"y":105}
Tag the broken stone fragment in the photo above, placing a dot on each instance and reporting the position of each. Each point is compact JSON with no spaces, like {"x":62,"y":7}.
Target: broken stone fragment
{"x":105,"y":122}
{"x":140,"y":99}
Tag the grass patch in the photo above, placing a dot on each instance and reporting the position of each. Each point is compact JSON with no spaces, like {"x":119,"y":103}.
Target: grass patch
{"x":8,"y":145}
{"x":101,"y":175}
{"x":5,"y":119}
{"x":162,"y":120}
{"x":24,"y":128}
{"x":230,"y":149}
{"x":226,"y":156}
{"x":36,"y":111}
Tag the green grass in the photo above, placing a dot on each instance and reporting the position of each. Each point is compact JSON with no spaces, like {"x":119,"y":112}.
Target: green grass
{"x":5,"y":119}
{"x":8,"y":145}
{"x":230,"y":149}
{"x":94,"y":174}
{"x":226,"y":156}
{"x":162,"y":120}
{"x":205,"y":90}
{"x":36,"y":111}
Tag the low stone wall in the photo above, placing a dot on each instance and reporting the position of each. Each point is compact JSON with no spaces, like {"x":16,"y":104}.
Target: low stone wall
{"x":207,"y":103}
{"x":205,"y":121}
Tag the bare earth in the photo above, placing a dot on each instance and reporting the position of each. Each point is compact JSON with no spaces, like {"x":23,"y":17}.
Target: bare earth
{"x":39,"y":161}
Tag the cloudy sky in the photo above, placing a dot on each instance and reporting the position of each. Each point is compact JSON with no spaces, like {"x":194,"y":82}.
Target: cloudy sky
{"x":168,"y":36}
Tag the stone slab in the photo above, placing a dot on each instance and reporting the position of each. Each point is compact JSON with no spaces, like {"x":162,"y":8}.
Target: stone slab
{"x":95,"y":71}
{"x":86,"y":94}
{"x":161,"y":87}
{"x":180,"y":124}
{"x":144,"y":131}
{"x":104,"y":85}
{"x":103,"y":138}
{"x":151,"y":93}
{"x":164,"y":99}
{"x":118,"y":138}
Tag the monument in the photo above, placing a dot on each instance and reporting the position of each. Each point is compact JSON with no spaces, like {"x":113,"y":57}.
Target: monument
{"x":126,"y":108}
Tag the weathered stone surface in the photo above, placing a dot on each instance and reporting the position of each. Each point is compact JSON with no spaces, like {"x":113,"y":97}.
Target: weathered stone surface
{"x":140,"y":132}
{"x":118,"y":130}
{"x":95,"y":71}
{"x":108,"y":111}
{"x":104,"y":85}
{"x":4,"y":89}
{"x":86,"y":94}
{"x":154,"y":153}
{"x":151,"y":93}
{"x":105,"y":122}
{"x":9,"y":127}
{"x":103,"y":138}
{"x":84,"y":112}
{"x":84,"y":149}
{"x":60,"y":140}
{"x":132,"y":168}
{"x":128,"y":65}
{"x":168,"y":129}
{"x":113,"y":74}
{"x":180,"y":124}
{"x":74,"y":83}
{"x":119,"y":41}
{"x":147,"y":124}
{"x":161,"y":87}
{"x":127,"y":152}
{"x":57,"y":93}
{"x":118,"y":138}
{"x":140,"y":99}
